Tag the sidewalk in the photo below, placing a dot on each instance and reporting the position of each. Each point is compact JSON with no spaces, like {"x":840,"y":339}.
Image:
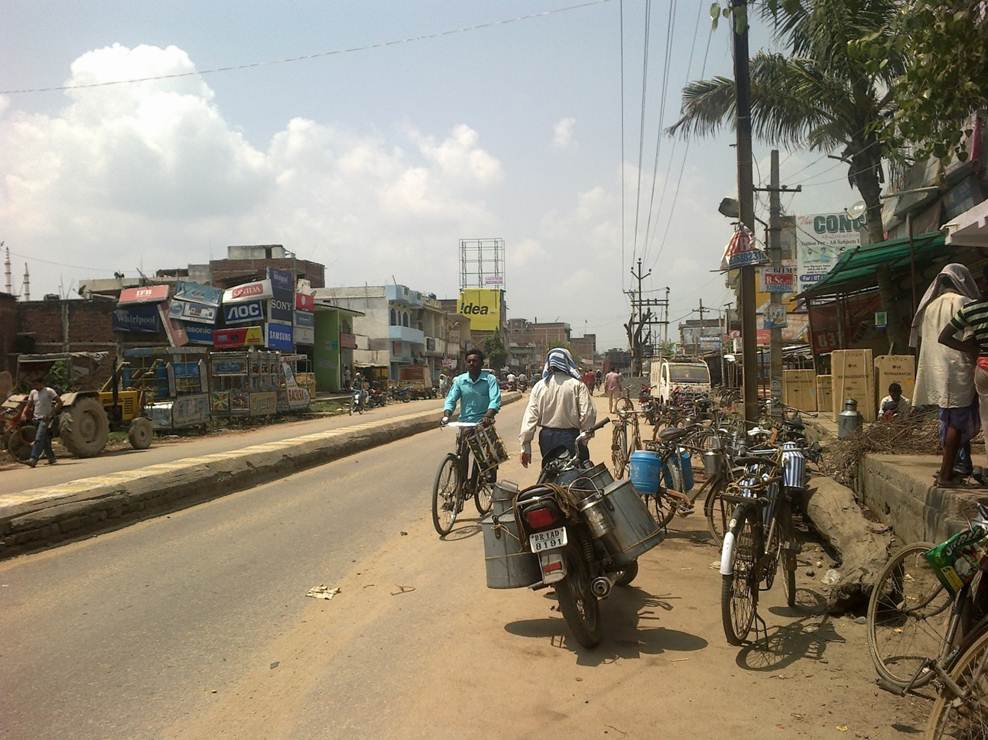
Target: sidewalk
{"x":39,"y":516}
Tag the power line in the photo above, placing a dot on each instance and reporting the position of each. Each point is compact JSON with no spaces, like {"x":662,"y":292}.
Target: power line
{"x":87,"y":268}
{"x":314,"y":55}
{"x":641,"y":125}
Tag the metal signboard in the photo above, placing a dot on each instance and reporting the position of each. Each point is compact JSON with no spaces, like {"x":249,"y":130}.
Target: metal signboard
{"x":174,"y":330}
{"x":264,"y":403}
{"x":196,"y":312}
{"x":196,"y":293}
{"x":305,"y":328}
{"x":280,"y":337}
{"x":775,"y":316}
{"x":305,"y":302}
{"x":199,"y":334}
{"x":255,"y":291}
{"x":141,"y":319}
{"x":238,"y":336}
{"x":482,"y":307}
{"x":778,"y":282}
{"x":742,"y":250}
{"x":243,"y":313}
{"x":145,"y":294}
{"x":189,"y":411}
{"x":282,"y":302}
{"x":820,"y":240}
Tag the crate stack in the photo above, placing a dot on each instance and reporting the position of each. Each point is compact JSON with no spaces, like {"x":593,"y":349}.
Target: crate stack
{"x":890,"y":369}
{"x":853,"y":376}
{"x":824,"y":393}
{"x":799,"y":389}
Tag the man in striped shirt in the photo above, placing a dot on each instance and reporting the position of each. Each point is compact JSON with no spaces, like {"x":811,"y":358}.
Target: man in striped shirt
{"x":973,"y":317}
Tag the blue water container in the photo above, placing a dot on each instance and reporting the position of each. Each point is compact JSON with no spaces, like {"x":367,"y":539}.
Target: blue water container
{"x":686,"y":466}
{"x":645,"y":469}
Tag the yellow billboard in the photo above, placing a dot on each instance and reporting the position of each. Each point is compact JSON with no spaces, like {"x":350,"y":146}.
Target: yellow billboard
{"x":482,"y":306}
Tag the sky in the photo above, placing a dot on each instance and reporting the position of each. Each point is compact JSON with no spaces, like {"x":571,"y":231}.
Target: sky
{"x":377,"y":161}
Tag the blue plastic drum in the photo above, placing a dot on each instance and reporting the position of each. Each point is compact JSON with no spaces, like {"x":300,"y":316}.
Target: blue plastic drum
{"x":646,"y":467}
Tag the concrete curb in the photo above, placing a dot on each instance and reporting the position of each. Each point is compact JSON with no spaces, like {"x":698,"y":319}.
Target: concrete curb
{"x":39,"y":517}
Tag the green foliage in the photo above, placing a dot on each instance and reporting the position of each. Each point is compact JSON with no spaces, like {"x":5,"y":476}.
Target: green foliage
{"x":495,"y":351}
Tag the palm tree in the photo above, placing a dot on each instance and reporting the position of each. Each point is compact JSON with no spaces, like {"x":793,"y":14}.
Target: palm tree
{"x":819,"y":96}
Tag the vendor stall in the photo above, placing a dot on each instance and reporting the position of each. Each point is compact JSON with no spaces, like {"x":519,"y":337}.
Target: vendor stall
{"x":176,"y":380}
{"x":244,"y":383}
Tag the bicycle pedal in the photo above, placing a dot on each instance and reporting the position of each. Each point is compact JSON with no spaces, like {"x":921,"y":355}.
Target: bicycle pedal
{"x":686,"y":510}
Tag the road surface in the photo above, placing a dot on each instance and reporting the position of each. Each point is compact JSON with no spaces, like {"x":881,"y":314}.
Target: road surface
{"x":196,"y":625}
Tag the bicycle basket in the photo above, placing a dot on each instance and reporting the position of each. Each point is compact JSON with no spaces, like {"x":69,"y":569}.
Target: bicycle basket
{"x":486,"y":447}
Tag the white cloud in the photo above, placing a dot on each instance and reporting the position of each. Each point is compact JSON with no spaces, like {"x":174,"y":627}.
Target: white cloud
{"x":562,"y":133}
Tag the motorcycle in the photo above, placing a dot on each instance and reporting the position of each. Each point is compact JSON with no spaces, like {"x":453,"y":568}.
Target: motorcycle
{"x":358,"y":401}
{"x":577,"y":522}
{"x":376,"y":398}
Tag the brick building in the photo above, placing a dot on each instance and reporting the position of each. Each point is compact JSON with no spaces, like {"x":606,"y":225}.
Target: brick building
{"x":8,"y":330}
{"x":251,"y":262}
{"x":56,"y":325}
{"x":584,"y":348}
{"x":543,"y":336}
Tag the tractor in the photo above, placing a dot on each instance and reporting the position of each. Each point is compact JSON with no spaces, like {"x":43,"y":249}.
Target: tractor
{"x":87,"y":415}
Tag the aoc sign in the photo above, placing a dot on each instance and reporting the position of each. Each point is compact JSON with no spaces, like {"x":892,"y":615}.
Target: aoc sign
{"x":482,"y":306}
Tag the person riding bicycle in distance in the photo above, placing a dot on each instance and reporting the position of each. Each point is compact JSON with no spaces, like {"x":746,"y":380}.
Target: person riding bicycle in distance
{"x":560,"y":404}
{"x":476,"y":390}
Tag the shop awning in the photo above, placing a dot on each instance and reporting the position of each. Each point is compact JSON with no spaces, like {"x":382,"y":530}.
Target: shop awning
{"x":855,"y":270}
{"x":969,"y":229}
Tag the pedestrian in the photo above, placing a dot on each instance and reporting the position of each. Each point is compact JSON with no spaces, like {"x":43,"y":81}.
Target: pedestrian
{"x":559,"y":406}
{"x":443,"y":384}
{"x":894,"y":404}
{"x":346,"y":377}
{"x":590,"y":380}
{"x":43,"y":404}
{"x":612,"y":387}
{"x":945,"y":375}
{"x":600,"y":378}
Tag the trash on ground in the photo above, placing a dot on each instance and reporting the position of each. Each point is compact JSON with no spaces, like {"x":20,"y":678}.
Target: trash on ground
{"x":322,"y":591}
{"x":832,"y":576}
{"x":403,"y":590}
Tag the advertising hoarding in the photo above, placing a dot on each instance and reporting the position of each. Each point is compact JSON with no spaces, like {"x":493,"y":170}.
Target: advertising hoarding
{"x":199,"y":334}
{"x":239,"y":336}
{"x":282,"y":302}
{"x":305,"y":302}
{"x":174,"y":330}
{"x":196,"y":293}
{"x":196,"y":312}
{"x":482,"y":306}
{"x":141,"y":319}
{"x":305,"y":328}
{"x":258,"y":290}
{"x":820,"y":240}
{"x":280,"y":337}
{"x":244,"y":313}
{"x":146,"y":294}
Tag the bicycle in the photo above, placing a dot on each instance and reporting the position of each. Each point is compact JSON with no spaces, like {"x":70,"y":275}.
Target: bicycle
{"x":750,"y":555}
{"x":621,"y":445}
{"x":453,"y":486}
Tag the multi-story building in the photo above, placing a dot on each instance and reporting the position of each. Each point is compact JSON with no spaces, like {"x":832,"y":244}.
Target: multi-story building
{"x":584,"y":349}
{"x":543,"y":336}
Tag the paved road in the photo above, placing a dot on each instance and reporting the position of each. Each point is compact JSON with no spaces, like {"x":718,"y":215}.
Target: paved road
{"x":196,"y":625}
{"x":19,"y":477}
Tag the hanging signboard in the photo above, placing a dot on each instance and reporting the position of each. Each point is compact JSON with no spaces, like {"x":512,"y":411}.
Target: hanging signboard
{"x":820,"y":240}
{"x":196,"y":293}
{"x":141,"y":319}
{"x":775,"y":316}
{"x":199,"y":334}
{"x":146,"y":294}
{"x":282,"y":302}
{"x":255,"y":291}
{"x":280,"y":337}
{"x":778,"y":282}
{"x":348,"y":341}
{"x":196,"y":312}
{"x":238,"y":336}
{"x":244,"y":313}
{"x":305,"y":302}
{"x":742,"y":250}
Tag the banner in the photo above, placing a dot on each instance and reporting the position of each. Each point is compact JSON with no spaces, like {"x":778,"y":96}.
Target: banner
{"x":280,"y":337}
{"x":243,"y":313}
{"x":146,"y":294}
{"x":305,"y":302}
{"x":820,"y":240}
{"x":282,"y":302}
{"x":195,"y":312}
{"x":199,"y":334}
{"x":257,"y":290}
{"x":141,"y":319}
{"x":238,"y":337}
{"x":196,"y":293}
{"x":482,"y":307}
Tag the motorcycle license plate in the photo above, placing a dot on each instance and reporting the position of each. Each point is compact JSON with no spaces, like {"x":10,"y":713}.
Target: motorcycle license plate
{"x":551,"y":539}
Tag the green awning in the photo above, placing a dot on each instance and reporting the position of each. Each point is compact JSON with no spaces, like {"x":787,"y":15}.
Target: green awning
{"x":856,"y":268}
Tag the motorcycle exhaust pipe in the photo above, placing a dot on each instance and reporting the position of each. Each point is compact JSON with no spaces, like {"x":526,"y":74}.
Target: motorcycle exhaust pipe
{"x":601,"y":586}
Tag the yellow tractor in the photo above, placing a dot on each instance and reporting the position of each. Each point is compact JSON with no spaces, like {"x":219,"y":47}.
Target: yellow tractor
{"x":127,"y":409}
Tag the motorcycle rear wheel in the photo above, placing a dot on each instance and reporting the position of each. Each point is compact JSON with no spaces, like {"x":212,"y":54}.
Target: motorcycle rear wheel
{"x":578,"y":604}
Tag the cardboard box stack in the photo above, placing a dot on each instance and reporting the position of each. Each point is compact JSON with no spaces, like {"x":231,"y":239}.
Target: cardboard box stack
{"x":853,"y":376}
{"x":899,"y":369}
{"x":799,"y":389}
{"x":824,"y":393}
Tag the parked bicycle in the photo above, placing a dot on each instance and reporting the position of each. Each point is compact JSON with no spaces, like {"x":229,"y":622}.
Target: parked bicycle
{"x":455,"y":484}
{"x":625,"y":438}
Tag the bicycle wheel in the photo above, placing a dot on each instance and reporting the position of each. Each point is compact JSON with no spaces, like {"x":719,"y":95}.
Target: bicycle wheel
{"x":908,"y":614}
{"x":787,"y":555}
{"x":966,"y":715}
{"x":483,"y":494}
{"x":619,"y":450}
{"x":716,"y":510}
{"x":739,"y":590}
{"x":445,"y":493}
{"x":663,"y":506}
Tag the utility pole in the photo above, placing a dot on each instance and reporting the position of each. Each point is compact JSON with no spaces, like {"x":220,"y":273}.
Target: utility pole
{"x":775,"y":191}
{"x":699,"y":334}
{"x":665,"y":320}
{"x":746,"y":201}
{"x":637,"y":348}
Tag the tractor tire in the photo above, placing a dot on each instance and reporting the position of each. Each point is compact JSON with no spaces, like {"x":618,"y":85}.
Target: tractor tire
{"x":140,"y":433}
{"x":20,"y":441}
{"x":84,"y":427}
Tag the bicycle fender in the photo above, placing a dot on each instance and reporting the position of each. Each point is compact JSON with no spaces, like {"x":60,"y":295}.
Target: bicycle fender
{"x":725,"y":554}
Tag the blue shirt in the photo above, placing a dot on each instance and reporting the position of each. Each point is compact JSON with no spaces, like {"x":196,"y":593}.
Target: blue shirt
{"x":475,"y":396}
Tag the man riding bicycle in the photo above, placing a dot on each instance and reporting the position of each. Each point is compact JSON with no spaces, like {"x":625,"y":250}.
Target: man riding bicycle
{"x":476,"y":390}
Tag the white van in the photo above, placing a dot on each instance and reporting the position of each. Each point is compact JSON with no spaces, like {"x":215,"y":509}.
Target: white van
{"x":689,"y":378}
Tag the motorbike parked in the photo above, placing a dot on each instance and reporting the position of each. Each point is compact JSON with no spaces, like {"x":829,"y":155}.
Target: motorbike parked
{"x":376,"y":398}
{"x":358,"y":401}
{"x":576,"y":530}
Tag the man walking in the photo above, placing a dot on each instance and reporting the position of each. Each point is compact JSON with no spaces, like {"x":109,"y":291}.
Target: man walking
{"x":612,"y":387}
{"x":560,"y":404}
{"x":43,"y":404}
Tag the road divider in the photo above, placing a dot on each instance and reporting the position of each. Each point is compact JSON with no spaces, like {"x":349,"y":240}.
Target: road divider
{"x":39,"y":517}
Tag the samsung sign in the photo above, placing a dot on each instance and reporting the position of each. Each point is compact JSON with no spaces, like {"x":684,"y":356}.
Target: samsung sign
{"x":243,"y":313}
{"x":280,"y":337}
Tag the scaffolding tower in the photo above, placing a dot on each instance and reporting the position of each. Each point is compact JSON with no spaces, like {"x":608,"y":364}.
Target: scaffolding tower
{"x":482,"y":264}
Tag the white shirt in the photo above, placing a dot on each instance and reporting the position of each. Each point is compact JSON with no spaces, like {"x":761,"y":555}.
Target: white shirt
{"x":44,"y":402}
{"x":944,"y":376}
{"x":559,"y":402}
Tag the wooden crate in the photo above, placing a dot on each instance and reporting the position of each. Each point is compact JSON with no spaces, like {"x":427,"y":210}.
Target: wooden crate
{"x":899,"y":369}
{"x":861,"y":389}
{"x":824,"y":393}
{"x":851,"y":363}
{"x":799,"y":389}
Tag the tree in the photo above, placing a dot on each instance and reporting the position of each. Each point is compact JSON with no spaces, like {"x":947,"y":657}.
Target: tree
{"x":818,"y":96}
{"x":495,"y":351}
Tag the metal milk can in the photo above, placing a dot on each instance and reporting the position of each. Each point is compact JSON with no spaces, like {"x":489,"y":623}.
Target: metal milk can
{"x":849,"y":420}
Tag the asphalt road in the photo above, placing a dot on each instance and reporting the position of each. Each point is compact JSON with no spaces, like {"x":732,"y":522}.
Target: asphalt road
{"x":16,"y":477}
{"x":196,"y":624}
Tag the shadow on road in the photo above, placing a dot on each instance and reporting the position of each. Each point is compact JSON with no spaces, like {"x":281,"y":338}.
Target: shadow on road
{"x":464,"y":529}
{"x":627,"y":617}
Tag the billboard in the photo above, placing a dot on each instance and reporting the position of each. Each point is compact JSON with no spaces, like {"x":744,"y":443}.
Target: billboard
{"x":282,"y":303}
{"x":143,"y":319}
{"x":482,"y":306}
{"x":248,"y":292}
{"x":195,"y":312}
{"x":238,"y":337}
{"x":243,"y":313}
{"x":820,"y":240}
{"x":280,"y":337}
{"x":147,"y":294}
{"x":196,"y":293}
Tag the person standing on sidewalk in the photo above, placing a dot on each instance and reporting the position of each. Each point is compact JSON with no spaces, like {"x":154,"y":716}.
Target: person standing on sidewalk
{"x":945,"y":375}
{"x":560,"y":405}
{"x":43,"y":404}
{"x":612,"y":387}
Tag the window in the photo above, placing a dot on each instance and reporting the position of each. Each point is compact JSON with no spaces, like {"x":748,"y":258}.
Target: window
{"x":394,"y":318}
{"x":404,"y":319}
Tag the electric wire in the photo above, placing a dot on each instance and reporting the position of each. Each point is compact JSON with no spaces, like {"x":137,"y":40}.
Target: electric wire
{"x":87,"y":268}
{"x":314,"y":55}
{"x":641,"y":127}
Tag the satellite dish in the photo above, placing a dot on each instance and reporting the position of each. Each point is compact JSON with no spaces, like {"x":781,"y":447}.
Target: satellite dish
{"x":857,"y":210}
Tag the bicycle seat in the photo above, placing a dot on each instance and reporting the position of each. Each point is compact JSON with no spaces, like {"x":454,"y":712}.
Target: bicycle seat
{"x":672,"y":434}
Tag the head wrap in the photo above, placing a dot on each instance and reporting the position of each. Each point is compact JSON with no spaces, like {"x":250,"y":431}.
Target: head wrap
{"x":962,"y":281}
{"x":559,"y":359}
